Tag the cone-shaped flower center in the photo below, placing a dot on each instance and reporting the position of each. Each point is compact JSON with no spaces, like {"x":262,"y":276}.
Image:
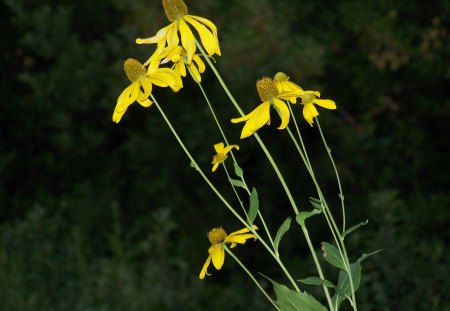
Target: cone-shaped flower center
{"x":307,"y":98}
{"x":133,"y":69}
{"x":175,"y":9}
{"x":267,"y":89}
{"x":280,"y":77}
{"x":217,"y":235}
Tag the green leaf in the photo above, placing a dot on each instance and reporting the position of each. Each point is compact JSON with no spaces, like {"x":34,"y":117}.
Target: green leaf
{"x":343,"y":289}
{"x":237,"y":183}
{"x":314,"y":280}
{"x":238,"y":171}
{"x":290,"y":300}
{"x":281,"y":231}
{"x":364,"y":255}
{"x":254,"y":207}
{"x":353,"y":228}
{"x":332,"y":255}
{"x":302,"y":216}
{"x":316,"y":203}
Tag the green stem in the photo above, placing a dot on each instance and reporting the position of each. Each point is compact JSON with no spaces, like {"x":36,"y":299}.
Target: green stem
{"x":327,"y":212}
{"x":219,"y":195}
{"x":341,"y":194}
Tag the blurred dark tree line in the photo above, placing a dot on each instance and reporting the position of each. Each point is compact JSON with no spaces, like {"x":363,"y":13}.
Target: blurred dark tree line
{"x":99,"y":216}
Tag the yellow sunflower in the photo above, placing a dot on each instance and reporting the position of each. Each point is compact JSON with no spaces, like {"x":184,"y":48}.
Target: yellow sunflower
{"x":218,"y":237}
{"x":221,"y":155}
{"x":309,"y":98}
{"x":270,"y":96}
{"x":177,"y":13}
{"x":141,"y":85}
{"x":179,"y":58}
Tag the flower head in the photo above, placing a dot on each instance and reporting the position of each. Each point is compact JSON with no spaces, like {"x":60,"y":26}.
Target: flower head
{"x":221,"y":155}
{"x":309,"y":98}
{"x":177,"y":13}
{"x":270,"y":96}
{"x":179,"y":58}
{"x":285,"y":86}
{"x":218,"y":237}
{"x":141,"y":85}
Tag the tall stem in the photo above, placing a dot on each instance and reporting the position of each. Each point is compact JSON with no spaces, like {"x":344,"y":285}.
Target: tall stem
{"x":219,"y":195}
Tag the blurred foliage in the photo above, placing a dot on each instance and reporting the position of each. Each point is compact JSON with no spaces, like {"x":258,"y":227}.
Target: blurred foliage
{"x":98,"y":216}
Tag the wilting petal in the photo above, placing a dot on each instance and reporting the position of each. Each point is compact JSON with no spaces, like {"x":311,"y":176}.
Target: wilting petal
{"x":208,"y":40}
{"x":187,"y":40}
{"x":325,"y":103}
{"x":309,"y":113}
{"x":284,"y":112}
{"x":146,"y":85}
{"x":218,"y":257}
{"x":205,"y":268}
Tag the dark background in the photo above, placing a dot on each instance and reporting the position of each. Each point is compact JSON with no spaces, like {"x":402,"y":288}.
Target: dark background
{"x":100,"y":216}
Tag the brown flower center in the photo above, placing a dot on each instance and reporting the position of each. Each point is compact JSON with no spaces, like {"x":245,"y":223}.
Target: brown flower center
{"x":175,"y":9}
{"x":217,"y":235}
{"x":133,"y":69}
{"x":267,"y":89}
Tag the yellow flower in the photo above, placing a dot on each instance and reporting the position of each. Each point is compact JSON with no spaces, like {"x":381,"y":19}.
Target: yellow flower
{"x":141,"y":85}
{"x":179,"y":58}
{"x":285,"y":86}
{"x":309,"y":98}
{"x":177,"y":13}
{"x":269,"y":94}
{"x":218,"y":237}
{"x":221,"y":155}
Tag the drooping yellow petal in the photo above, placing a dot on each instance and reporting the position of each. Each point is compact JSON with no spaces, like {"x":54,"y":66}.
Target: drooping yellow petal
{"x":255,"y":119}
{"x":204,"y":270}
{"x":228,"y":148}
{"x":159,"y":37}
{"x":218,"y":257}
{"x":240,"y":238}
{"x":284,"y":112}
{"x":215,"y":166}
{"x":181,"y":68}
{"x":167,"y":77}
{"x":325,"y":103}
{"x":187,"y":40}
{"x":200,"y":64}
{"x":194,"y":73}
{"x":146,"y":85}
{"x":128,"y":96}
{"x":309,"y":113}
{"x":211,"y":26}
{"x":244,"y":230}
{"x":210,"y":43}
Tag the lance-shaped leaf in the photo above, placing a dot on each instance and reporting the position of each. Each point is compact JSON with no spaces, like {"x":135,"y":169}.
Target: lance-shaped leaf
{"x":236,"y":182}
{"x":238,"y":170}
{"x":254,"y":207}
{"x":343,"y":289}
{"x":353,"y":228}
{"x":332,"y":255}
{"x":290,"y":300}
{"x":314,"y":280}
{"x":316,"y":203}
{"x":281,"y":231}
